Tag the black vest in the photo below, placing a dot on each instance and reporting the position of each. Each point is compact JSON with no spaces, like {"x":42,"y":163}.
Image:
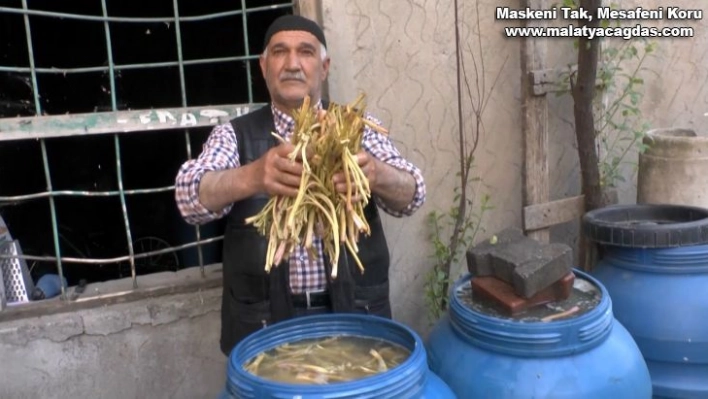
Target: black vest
{"x":253,"y":298}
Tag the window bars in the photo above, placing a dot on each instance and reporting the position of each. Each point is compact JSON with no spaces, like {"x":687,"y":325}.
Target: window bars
{"x":120,"y":122}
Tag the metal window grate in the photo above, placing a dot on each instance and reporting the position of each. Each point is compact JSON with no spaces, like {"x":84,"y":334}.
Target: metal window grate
{"x":120,"y":122}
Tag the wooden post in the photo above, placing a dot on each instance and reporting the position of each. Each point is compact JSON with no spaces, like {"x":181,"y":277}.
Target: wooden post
{"x":534,"y":123}
{"x":312,"y":9}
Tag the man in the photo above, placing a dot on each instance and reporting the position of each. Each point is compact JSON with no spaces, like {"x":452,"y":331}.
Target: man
{"x":242,"y":165}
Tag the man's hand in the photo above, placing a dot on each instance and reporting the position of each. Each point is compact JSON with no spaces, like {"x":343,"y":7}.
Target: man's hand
{"x":367,"y":163}
{"x":273,"y":173}
{"x":395,"y":187}
{"x":280,"y":175}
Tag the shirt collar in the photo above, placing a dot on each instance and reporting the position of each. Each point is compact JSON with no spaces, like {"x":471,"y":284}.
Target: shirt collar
{"x":284,"y":122}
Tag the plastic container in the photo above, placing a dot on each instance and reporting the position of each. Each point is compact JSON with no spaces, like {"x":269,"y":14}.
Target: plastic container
{"x":481,"y":354}
{"x":411,"y":379}
{"x":655,"y":267}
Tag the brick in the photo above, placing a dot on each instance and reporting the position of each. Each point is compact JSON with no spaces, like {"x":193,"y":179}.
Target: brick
{"x":503,"y":296}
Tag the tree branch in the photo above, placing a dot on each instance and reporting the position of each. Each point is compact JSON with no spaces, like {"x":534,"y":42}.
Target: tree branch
{"x":583,"y":91}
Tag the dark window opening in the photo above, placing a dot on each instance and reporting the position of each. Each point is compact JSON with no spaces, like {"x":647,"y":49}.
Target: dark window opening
{"x":94,"y":226}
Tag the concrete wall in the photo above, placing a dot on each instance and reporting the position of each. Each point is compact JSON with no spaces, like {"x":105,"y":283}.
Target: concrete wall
{"x":675,"y":95}
{"x":161,"y":347}
{"x":676,"y":92}
{"x":402,"y":55}
{"x":677,"y":89}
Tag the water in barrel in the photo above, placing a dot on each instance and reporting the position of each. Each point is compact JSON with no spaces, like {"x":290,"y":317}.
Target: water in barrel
{"x":327,"y":360}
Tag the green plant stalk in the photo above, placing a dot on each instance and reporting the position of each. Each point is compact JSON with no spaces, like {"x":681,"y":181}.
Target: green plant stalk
{"x":461,"y":218}
{"x":615,"y":106}
{"x":608,"y":176}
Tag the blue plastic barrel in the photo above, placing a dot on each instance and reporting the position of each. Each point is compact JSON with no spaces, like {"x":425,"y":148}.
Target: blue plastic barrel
{"x":655,"y":266}
{"x":482,"y":354}
{"x":411,"y":379}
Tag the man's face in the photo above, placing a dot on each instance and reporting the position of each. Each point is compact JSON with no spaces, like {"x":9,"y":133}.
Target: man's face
{"x":293,"y":67}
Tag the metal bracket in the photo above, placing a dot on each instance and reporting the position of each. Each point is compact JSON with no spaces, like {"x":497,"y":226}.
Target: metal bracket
{"x":550,"y":80}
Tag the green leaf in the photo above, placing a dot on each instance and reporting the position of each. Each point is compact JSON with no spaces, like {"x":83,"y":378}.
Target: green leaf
{"x":441,"y":275}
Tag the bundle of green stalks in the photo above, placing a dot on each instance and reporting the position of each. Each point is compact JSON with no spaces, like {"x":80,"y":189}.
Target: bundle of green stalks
{"x":326,"y":142}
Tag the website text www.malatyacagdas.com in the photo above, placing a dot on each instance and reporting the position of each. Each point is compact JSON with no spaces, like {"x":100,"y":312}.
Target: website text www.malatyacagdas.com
{"x":626,"y":32}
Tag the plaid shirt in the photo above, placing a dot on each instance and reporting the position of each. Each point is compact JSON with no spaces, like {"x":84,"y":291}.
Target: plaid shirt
{"x":221,"y":152}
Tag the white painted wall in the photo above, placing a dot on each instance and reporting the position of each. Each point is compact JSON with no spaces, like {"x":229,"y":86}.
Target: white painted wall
{"x":401,"y":53}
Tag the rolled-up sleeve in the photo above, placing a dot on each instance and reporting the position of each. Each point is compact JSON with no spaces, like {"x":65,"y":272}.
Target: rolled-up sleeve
{"x":380,"y":146}
{"x":218,"y":153}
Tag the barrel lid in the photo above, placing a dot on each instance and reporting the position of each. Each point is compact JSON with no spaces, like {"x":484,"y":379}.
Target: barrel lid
{"x":583,"y":298}
{"x":577,"y":324}
{"x":647,"y":225}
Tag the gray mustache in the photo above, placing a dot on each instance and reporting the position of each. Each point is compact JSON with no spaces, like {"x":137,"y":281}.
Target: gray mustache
{"x":293,"y":76}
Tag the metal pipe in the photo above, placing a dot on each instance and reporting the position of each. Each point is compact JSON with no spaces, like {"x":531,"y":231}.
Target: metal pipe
{"x":45,"y":160}
{"x":106,"y":18}
{"x":147,"y":65}
{"x":64,"y":193}
{"x":183,"y":88}
{"x":116,"y":142}
{"x":246,"y":50}
{"x":100,"y":261}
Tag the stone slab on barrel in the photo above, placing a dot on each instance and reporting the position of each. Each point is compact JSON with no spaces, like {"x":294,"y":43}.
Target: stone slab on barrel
{"x":528,"y":265}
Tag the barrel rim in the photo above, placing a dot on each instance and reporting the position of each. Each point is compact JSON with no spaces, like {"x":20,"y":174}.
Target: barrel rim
{"x":647,"y":225}
{"x":686,"y":135}
{"x":534,"y":339}
{"x":411,"y":375}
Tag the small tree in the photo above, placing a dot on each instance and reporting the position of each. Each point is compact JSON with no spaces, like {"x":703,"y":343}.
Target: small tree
{"x":454,"y":231}
{"x":613,"y":128}
{"x":583,"y":92}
